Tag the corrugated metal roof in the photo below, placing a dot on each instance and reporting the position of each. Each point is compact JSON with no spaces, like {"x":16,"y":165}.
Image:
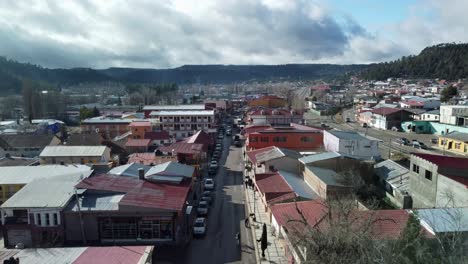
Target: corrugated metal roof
{"x":26,"y":174}
{"x":274,"y":187}
{"x":444,"y":220}
{"x":174,"y":107}
{"x":73,"y":151}
{"x":277,"y":153}
{"x":49,"y":255}
{"x":97,"y":202}
{"x":348,"y":135}
{"x":395,"y":174}
{"x":329,"y":177}
{"x":318,"y":157}
{"x":252,"y":155}
{"x":299,"y":186}
{"x":183,"y":113}
{"x":53,"y":192}
{"x":460,"y":136}
{"x":130,"y":170}
{"x":171,"y":168}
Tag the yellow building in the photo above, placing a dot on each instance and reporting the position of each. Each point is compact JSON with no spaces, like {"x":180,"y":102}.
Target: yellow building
{"x":12,"y":179}
{"x":456,"y":142}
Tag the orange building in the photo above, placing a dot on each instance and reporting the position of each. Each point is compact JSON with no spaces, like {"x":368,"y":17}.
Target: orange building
{"x":294,"y":136}
{"x":139,"y":128}
{"x":272,"y":101}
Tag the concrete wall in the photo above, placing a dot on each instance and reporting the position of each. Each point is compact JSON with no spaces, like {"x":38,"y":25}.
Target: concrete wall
{"x":451,"y":193}
{"x":315,"y":183}
{"x":422,"y":190}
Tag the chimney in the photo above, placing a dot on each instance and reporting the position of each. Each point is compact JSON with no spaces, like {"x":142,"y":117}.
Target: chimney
{"x":141,"y":174}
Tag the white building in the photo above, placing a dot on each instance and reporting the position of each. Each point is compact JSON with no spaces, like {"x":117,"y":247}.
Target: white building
{"x":454,"y":115}
{"x":351,"y":144}
{"x":433,"y":116}
{"x":181,"y":124}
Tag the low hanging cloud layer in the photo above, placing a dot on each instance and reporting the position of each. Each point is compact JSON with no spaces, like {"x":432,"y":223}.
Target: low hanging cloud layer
{"x":160,"y":34}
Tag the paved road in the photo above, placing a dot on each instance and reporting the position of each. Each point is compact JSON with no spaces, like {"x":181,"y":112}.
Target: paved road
{"x":224,"y":220}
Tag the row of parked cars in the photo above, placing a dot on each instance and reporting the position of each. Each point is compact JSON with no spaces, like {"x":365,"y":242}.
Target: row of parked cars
{"x":413,"y":143}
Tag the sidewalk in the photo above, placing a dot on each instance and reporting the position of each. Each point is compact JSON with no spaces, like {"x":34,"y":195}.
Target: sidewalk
{"x":275,"y":251}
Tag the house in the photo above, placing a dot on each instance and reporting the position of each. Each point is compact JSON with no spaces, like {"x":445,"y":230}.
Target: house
{"x":186,"y":153}
{"x":274,"y":117}
{"x":158,"y":138}
{"x":181,"y":124}
{"x":456,"y":142}
{"x":203,"y":138}
{"x":81,"y":255}
{"x":26,"y":145}
{"x":296,"y":137}
{"x":351,"y":144}
{"x":326,"y":183}
{"x":456,"y":115}
{"x":171,"y":171}
{"x":137,"y":145}
{"x":129,"y":210}
{"x":268,"y":101}
{"x":149,"y":158}
{"x":147,"y":109}
{"x":84,"y":139}
{"x":421,"y":103}
{"x":388,"y":118}
{"x":97,"y":155}
{"x":270,"y":159}
{"x":395,"y":180}
{"x":438,"y":181}
{"x":273,"y":189}
{"x":139,"y":128}
{"x":12,"y":179}
{"x":129,"y":170}
{"x":33,"y":215}
{"x":108,"y":127}
{"x":432,"y":116}
{"x":290,"y":219}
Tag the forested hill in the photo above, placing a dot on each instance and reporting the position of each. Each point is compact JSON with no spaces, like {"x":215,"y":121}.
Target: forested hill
{"x":445,"y":61}
{"x":12,"y":72}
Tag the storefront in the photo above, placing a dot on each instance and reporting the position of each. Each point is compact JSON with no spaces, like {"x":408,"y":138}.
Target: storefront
{"x":136,"y":229}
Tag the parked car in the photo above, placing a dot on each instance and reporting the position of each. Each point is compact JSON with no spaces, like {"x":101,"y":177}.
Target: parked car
{"x":214,"y":164}
{"x":418,"y":144}
{"x":209,"y":184}
{"x":211,"y":172}
{"x":207,"y":197}
{"x":403,"y":141}
{"x":364,"y":125}
{"x":238,"y":143}
{"x":199,"y":227}
{"x":216,"y":155}
{"x":220,"y":136}
{"x":202,"y":208}
{"x":228,"y":132}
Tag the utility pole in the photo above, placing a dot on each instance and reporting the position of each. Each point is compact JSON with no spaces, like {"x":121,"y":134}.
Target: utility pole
{"x":83,"y":237}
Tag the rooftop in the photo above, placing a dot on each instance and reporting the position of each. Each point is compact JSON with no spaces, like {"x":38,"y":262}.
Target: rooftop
{"x":106,"y":120}
{"x":459,"y":136}
{"x":252,"y":155}
{"x":174,"y":107}
{"x":157,"y":135}
{"x":329,"y":177}
{"x":384,"y":111}
{"x":444,"y":220}
{"x":395,"y":174}
{"x":73,"y":151}
{"x":130,"y":170}
{"x":18,"y":161}
{"x":183,"y":113}
{"x":319,"y":157}
{"x":170,"y":168}
{"x":25,"y":140}
{"x":149,"y":158}
{"x":347,"y":135}
{"x":274,"y":187}
{"x":97,"y":202}
{"x":140,"y":193}
{"x":140,"y":123}
{"x":26,"y":174}
{"x":275,"y":153}
{"x":132,"y":142}
{"x":182,"y":148}
{"x":299,"y":186}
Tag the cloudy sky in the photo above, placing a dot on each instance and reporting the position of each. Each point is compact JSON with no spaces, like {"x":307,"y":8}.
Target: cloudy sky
{"x":171,"y":33}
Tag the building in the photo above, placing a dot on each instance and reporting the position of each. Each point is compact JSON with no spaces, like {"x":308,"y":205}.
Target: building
{"x":326,"y":183}
{"x":295,"y":137}
{"x":181,"y":124}
{"x":445,"y":221}
{"x":186,"y":153}
{"x":351,"y":144}
{"x":137,"y":145}
{"x":438,"y":181}
{"x":274,"y":117}
{"x":96,"y":155}
{"x":33,"y":215}
{"x":271,"y":159}
{"x":139,"y":129}
{"x":268,"y":101}
{"x":421,"y":103}
{"x":456,"y":142}
{"x":388,"y":118}
{"x":147,"y":109}
{"x":81,"y":255}
{"x":395,"y":180}
{"x":273,"y":189}
{"x":26,"y":145}
{"x":149,"y":158}
{"x":107,"y":127}
{"x":9,"y":161}
{"x":454,"y":115}
{"x":129,"y":170}
{"x":129,"y":210}
{"x":84,"y":139}
{"x":158,"y":138}
{"x":432,"y":116}
{"x":171,"y":170}
{"x":12,"y":179}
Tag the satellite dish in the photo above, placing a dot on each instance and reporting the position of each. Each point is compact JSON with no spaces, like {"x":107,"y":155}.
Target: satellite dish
{"x":97,"y":130}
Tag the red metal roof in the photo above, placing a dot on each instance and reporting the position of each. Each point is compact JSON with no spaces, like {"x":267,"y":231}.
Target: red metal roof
{"x":141,"y":193}
{"x":131,"y":142}
{"x":201,"y":137}
{"x":386,"y":224}
{"x":253,"y":128}
{"x":105,"y":255}
{"x":275,"y":112}
{"x":157,"y":135}
{"x":182,"y":148}
{"x":274,"y":187}
{"x":386,"y":111}
{"x":253,"y":153}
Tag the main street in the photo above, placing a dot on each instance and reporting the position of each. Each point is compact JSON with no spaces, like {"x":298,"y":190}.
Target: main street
{"x":225,"y":219}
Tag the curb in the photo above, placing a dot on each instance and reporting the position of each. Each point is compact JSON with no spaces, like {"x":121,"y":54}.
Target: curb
{"x":252,"y":230}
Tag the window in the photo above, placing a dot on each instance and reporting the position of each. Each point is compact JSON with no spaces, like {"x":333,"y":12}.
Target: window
{"x":253,"y":139}
{"x":307,"y":139}
{"x":264,"y":139}
{"x":38,"y":219}
{"x":428,"y":175}
{"x":458,"y":145}
{"x":47,"y":219}
{"x":279,"y":139}
{"x":415,"y":168}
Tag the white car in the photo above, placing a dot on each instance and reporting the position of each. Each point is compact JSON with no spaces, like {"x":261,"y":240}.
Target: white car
{"x":202,"y":208}
{"x":209,"y":184}
{"x":199,"y":227}
{"x":214,"y":164}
